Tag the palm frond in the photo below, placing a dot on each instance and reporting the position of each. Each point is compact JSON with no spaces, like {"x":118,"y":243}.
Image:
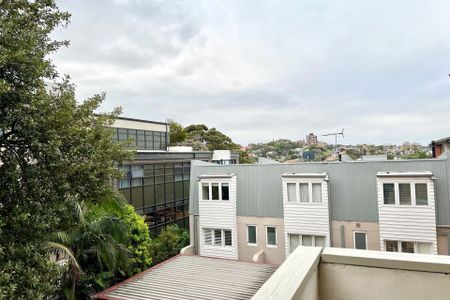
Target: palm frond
{"x":59,"y":249}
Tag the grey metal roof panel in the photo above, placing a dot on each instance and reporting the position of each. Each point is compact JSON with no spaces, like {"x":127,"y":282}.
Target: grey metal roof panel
{"x":194,"y":277}
{"x":352,"y":186}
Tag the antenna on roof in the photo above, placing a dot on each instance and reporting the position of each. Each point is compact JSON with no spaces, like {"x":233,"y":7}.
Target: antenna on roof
{"x":336,"y":134}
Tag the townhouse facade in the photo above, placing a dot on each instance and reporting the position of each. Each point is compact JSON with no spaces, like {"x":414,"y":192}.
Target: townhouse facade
{"x":263,"y":212}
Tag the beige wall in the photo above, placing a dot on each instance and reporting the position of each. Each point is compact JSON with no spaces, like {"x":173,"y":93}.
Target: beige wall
{"x":372,"y":229}
{"x":271,"y":255}
{"x":340,"y":281}
{"x":442,"y":240}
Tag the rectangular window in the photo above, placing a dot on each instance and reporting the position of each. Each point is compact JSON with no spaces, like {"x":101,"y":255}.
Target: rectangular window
{"x":360,"y":240}
{"x":307,"y":240}
{"x":405,"y":193}
{"x":421,"y":194}
{"x":319,"y":241}
{"x":217,"y":237}
{"x":271,"y":236}
{"x":389,"y":193}
{"x":304,"y":192}
{"x":227,"y":234}
{"x":294,"y":241}
{"x":205,"y":191}
{"x":292,"y":192}
{"x":225,"y":191}
{"x":251,"y":234}
{"x":424,"y":248}
{"x":391,"y":246}
{"x":317,"y":192}
{"x":407,"y":247}
{"x":208,"y":236}
{"x":215,"y":191}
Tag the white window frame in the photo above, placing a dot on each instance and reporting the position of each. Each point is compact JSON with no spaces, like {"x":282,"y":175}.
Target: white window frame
{"x":220,"y":191}
{"x":256,"y":235}
{"x":300,"y":239}
{"x":310,"y":192}
{"x":399,"y":246}
{"x":354,"y":239}
{"x":276,"y":237}
{"x":397,"y":193}
{"x":222,"y":237}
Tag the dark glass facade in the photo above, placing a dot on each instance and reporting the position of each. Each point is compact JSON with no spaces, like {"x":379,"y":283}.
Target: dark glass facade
{"x":142,"y":139}
{"x":159,"y":191}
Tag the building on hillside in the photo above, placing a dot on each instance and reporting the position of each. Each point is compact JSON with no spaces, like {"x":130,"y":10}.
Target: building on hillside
{"x":244,"y":212}
{"x":157,"y":180}
{"x":440,"y":146}
{"x":311,"y":139}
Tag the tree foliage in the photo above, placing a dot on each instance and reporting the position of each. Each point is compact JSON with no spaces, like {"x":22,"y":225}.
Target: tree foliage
{"x":54,"y":152}
{"x":169,"y":243}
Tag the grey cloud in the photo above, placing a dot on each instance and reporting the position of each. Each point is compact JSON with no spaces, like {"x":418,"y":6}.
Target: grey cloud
{"x":259,"y":70}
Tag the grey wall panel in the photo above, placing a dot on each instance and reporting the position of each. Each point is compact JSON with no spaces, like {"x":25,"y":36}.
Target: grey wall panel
{"x":352,"y":186}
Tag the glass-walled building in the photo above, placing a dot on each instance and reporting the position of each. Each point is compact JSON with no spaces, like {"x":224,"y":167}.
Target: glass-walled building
{"x":143,"y":135}
{"x":156,"y":182}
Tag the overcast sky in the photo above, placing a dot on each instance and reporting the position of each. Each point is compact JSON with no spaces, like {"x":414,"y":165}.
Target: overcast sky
{"x":262,"y":70}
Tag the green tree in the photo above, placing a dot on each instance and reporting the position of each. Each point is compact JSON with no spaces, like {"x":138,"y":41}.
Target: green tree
{"x":169,"y":243}
{"x":96,"y":250}
{"x":54,"y":152}
{"x":177,"y":133}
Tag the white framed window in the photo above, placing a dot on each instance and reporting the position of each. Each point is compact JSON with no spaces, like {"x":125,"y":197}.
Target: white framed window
{"x":215,"y":191}
{"x":360,"y":240}
{"x":296,"y":240}
{"x":304,"y":192}
{"x":407,"y":247}
{"x":252,"y":235}
{"x":217,"y":237}
{"x":405,"y":193}
{"x":271,"y":236}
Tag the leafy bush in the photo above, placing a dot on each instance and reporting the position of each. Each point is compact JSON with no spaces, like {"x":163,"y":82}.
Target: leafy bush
{"x":169,"y":243}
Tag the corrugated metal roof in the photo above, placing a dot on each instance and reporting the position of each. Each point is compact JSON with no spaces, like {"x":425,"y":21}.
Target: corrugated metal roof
{"x":194,"y":277}
{"x":352,"y":186}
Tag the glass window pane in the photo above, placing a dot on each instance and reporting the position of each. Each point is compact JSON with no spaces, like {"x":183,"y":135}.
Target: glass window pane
{"x":205,"y":191}
{"x":271,"y":236}
{"x":405,"y":193}
{"x":317,"y":192}
{"x":251,"y":234}
{"x":306,"y":240}
{"x":407,"y":247}
{"x":421,"y":194}
{"x":159,"y":188}
{"x":292,"y":193}
{"x":149,"y":195}
{"x":228,"y":240}
{"x":304,"y":192}
{"x":424,"y":248}
{"x":217,"y":237}
{"x":215,"y":191}
{"x":294,"y":241}
{"x":389,"y":193}
{"x":319,"y":241}
{"x":360,"y":240}
{"x":225,"y":191}
{"x":391,"y":246}
{"x":208,"y":237}
{"x":136,"y":182}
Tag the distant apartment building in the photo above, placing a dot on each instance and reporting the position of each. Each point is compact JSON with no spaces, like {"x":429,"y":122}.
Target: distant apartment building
{"x":263,"y":212}
{"x":311,"y":139}
{"x":438,"y":147}
{"x":157,"y":180}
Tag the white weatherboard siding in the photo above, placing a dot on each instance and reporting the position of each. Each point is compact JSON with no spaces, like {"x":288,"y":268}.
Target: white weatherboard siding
{"x":306,"y":218}
{"x":218,"y":214}
{"x":407,"y":223}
